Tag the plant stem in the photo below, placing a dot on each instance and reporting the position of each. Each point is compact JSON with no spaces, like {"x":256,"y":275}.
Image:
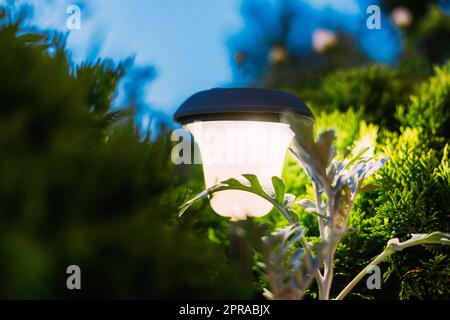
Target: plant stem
{"x":319,"y":207}
{"x":380,"y":258}
{"x":432,"y":238}
{"x":328,"y":271}
{"x":328,"y":278}
{"x":305,"y":243}
{"x":324,"y":294}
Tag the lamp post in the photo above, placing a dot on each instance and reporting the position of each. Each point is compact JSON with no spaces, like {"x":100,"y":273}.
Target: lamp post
{"x":240,"y":131}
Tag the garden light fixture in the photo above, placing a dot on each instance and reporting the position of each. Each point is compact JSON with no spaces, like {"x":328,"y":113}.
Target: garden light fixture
{"x":240,"y":131}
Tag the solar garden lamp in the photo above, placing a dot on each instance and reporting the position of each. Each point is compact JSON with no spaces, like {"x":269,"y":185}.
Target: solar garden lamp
{"x":240,"y":131}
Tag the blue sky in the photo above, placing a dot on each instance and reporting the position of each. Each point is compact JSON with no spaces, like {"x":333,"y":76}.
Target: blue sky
{"x":188,"y":42}
{"x":184,"y":40}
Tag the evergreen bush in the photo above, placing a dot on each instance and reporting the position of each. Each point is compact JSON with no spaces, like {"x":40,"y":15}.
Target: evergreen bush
{"x":78,"y":187}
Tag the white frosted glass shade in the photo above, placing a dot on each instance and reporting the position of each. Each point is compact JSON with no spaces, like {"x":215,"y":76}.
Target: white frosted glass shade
{"x":232,"y":148}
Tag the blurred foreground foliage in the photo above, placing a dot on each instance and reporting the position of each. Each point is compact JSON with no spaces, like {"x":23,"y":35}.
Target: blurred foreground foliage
{"x":78,"y":186}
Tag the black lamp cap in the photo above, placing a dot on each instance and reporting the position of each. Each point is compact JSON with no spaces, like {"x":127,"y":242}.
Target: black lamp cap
{"x":252,"y":104}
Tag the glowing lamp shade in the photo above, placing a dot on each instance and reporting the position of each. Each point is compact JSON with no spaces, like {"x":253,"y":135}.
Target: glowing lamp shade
{"x":238,"y":131}
{"x":232,"y":148}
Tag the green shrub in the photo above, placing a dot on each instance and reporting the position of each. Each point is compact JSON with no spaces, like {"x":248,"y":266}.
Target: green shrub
{"x":414,"y":188}
{"x":413,"y":198}
{"x":430,"y":37}
{"x":374,"y":90}
{"x":429,"y":109}
{"x":344,"y":123}
{"x":78,"y":188}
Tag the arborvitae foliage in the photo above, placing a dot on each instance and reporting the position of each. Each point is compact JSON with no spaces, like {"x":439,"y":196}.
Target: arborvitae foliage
{"x":413,"y":116}
{"x":429,"y":109}
{"x":373,"y":90}
{"x":430,"y":37}
{"x":73,"y":193}
{"x":413,"y":198}
{"x":412,"y":195}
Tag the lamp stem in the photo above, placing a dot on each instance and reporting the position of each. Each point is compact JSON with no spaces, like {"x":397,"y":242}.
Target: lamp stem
{"x":240,"y":251}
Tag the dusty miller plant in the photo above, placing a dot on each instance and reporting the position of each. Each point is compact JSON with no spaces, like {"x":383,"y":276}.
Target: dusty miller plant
{"x":291,"y":262}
